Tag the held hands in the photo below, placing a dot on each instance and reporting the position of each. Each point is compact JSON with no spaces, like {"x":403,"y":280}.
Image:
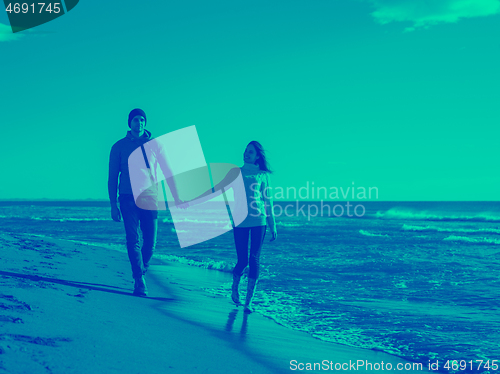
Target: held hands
{"x":181,"y":204}
{"x":115,"y":214}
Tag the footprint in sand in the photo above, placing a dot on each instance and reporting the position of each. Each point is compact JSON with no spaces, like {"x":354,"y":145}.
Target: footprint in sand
{"x":10,"y":319}
{"x":9,"y":302}
{"x":82,"y":293}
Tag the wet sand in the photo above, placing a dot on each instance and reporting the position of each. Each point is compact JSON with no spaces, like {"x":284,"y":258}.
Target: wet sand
{"x":68,"y":308}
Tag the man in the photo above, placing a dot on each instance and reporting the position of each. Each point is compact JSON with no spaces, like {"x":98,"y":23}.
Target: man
{"x":131,"y":209}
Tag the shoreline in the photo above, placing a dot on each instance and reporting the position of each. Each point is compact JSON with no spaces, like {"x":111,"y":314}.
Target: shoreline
{"x":69,"y":304}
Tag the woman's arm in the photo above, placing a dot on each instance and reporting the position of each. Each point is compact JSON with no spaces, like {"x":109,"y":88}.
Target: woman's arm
{"x":268,"y":204}
{"x":217,"y":190}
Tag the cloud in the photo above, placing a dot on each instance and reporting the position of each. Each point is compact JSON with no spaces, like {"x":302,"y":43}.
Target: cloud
{"x":423,"y":13}
{"x":6,"y":34}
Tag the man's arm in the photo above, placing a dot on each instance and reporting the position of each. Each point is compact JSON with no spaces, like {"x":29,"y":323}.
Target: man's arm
{"x":113,"y":173}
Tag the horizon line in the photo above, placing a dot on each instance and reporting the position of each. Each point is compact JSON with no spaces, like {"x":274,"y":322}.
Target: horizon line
{"x":274,"y":200}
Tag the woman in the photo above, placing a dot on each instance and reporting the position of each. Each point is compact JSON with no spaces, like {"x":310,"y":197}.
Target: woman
{"x":255,"y":172}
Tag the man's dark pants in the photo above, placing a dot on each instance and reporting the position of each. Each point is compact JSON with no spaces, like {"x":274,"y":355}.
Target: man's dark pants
{"x":133,"y":218}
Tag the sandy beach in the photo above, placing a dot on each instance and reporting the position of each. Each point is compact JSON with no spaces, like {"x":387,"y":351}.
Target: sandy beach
{"x":67,"y":308}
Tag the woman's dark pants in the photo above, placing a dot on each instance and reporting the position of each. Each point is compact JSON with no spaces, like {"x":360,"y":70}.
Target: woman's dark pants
{"x":241,"y":235}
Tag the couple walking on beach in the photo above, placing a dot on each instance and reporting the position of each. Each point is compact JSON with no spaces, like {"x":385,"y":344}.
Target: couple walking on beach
{"x":255,"y":172}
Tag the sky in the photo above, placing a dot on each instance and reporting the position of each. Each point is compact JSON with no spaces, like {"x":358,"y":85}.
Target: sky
{"x":400,"y":95}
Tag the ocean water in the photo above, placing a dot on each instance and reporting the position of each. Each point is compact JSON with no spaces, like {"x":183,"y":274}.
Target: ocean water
{"x":420,"y":280}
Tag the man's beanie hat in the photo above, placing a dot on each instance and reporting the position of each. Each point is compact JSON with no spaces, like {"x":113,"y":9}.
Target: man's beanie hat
{"x":136,"y":112}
